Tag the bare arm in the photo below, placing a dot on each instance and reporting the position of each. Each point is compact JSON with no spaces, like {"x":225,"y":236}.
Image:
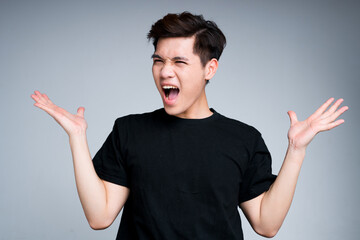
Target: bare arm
{"x":101,"y":200}
{"x":267,"y":212}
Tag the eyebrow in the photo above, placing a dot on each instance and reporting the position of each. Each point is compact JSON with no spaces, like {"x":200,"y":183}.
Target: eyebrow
{"x":173,"y":59}
{"x":155,"y":56}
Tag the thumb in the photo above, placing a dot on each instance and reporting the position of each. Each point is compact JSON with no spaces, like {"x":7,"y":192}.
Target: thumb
{"x":80,"y":111}
{"x":293,"y":118}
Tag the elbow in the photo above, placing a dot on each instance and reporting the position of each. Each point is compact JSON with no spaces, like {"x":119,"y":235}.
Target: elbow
{"x":268,"y":233}
{"x":99,"y":225}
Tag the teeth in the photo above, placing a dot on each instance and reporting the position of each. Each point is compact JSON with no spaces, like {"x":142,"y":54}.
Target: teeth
{"x":169,"y":87}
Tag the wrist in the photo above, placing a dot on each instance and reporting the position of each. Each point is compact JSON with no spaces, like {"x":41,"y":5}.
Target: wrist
{"x":294,"y":145}
{"x":77,"y":136}
{"x":76,"y":132}
{"x":295,"y":155}
{"x":293,"y":149}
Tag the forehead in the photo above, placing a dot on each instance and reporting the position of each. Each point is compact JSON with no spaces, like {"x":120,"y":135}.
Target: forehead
{"x":176,"y":46}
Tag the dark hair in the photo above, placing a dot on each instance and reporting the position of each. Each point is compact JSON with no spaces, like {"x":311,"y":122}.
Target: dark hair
{"x":209,"y":40}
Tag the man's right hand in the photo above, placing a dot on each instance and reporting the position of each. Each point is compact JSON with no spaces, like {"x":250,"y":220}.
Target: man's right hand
{"x":73,"y":124}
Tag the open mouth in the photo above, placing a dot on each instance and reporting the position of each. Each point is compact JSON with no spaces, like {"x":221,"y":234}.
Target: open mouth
{"x":171,"y":92}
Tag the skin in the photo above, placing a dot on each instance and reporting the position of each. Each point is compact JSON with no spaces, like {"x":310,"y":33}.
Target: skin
{"x":267,"y":212}
{"x":101,"y":200}
{"x":175,"y":64}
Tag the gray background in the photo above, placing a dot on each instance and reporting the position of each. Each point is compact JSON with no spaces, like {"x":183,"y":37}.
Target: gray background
{"x":281,"y":55}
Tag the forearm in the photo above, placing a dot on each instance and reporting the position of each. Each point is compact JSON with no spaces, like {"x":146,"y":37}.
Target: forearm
{"x":267,"y":212}
{"x":101,"y":200}
{"x":277,"y":200}
{"x":91,"y":189}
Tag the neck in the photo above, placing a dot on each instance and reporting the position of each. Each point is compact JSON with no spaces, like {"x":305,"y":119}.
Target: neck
{"x":198,"y":110}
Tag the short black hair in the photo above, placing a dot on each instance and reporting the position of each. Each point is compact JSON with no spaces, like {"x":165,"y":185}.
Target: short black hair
{"x":209,"y":39}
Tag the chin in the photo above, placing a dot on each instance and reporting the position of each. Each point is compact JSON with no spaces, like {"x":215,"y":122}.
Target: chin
{"x":172,"y":110}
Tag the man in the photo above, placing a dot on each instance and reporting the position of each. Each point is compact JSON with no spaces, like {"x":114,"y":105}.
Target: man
{"x":183,"y":171}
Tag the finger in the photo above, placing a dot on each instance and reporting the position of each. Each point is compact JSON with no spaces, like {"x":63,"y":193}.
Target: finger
{"x":323,"y":107}
{"x":45,"y":108}
{"x":45,"y":96}
{"x":80,"y":111}
{"x":333,"y":108}
{"x":35,"y":97}
{"x":37,"y":93}
{"x":56,"y":112}
{"x":340,"y":111}
{"x":293,"y":117}
{"x":40,"y":97}
{"x":332,"y":125}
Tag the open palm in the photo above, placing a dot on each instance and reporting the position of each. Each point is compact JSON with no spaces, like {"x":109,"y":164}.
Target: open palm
{"x":72,"y":123}
{"x":302,"y":132}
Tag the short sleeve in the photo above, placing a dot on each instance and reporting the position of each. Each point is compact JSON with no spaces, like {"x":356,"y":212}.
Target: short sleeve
{"x":109,"y":162}
{"x":258,"y":176}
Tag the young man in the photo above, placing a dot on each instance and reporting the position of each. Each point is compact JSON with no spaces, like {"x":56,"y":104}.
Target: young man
{"x":183,"y":171}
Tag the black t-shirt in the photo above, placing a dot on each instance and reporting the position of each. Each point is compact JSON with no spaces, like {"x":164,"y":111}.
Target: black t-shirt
{"x":186,"y":176}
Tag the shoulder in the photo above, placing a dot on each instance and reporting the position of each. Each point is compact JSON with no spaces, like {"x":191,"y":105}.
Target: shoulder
{"x":237,"y":126}
{"x":138,"y":122}
{"x":243,"y":136}
{"x":138,"y":117}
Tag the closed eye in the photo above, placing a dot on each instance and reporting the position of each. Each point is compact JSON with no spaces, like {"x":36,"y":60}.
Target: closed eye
{"x":182,"y":62}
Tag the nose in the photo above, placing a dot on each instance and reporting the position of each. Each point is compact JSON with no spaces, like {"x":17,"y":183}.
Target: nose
{"x":167,"y":71}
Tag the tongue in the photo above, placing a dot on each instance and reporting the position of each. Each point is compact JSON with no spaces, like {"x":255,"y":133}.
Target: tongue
{"x":173,"y":93}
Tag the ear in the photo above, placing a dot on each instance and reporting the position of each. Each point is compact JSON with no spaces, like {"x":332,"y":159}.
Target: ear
{"x":210,"y":69}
